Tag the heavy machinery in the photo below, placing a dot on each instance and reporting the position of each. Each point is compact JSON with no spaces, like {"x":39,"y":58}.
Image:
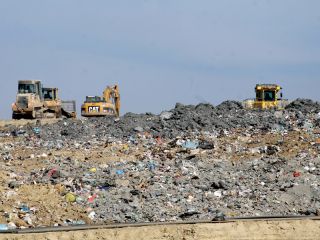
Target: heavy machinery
{"x":29,"y":99}
{"x":268,"y":96}
{"x":34,"y":101}
{"x":55,"y":105}
{"x":107,"y":105}
{"x":52,"y":104}
{"x":68,"y":109}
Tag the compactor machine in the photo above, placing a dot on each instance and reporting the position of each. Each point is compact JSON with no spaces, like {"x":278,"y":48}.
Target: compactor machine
{"x":268,"y":96}
{"x":107,"y":105}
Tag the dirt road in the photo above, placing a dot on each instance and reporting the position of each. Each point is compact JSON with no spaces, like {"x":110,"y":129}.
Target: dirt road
{"x":291,"y":229}
{"x":23,"y":122}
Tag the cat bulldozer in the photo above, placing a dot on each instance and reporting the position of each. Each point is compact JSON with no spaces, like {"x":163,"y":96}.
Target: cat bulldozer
{"x":268,"y":96}
{"x":33,"y":101}
{"x":56,"y":106}
{"x":107,"y":105}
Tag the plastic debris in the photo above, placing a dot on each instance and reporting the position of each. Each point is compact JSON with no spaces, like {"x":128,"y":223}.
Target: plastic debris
{"x":119,"y":172}
{"x":4,"y":227}
{"x":92,"y":215}
{"x":37,"y":130}
{"x":190,"y":144}
{"x":70,"y":197}
{"x":296,"y":174}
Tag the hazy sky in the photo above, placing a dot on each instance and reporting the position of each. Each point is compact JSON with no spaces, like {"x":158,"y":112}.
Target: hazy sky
{"x":160,"y":51}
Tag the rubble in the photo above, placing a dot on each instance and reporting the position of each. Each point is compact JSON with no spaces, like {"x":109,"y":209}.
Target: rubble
{"x":191,"y":162}
{"x":304,"y":106}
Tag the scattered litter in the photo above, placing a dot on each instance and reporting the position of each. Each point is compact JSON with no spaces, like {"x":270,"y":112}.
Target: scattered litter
{"x":186,"y":163}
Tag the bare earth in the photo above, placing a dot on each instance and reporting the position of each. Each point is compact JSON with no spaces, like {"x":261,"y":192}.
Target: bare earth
{"x":295,"y":229}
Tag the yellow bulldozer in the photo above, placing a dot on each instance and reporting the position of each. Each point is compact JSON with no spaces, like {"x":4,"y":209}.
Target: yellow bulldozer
{"x":34,"y":101}
{"x":54,"y":104}
{"x":268,"y":96}
{"x":107,"y":105}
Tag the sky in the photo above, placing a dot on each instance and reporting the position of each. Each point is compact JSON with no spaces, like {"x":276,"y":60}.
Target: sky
{"x":160,"y":51}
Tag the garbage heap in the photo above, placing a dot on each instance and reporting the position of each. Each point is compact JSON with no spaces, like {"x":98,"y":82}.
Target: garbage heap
{"x":190,"y":163}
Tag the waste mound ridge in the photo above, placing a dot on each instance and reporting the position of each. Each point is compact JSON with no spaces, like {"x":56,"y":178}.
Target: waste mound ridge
{"x":304,"y":105}
{"x":182,"y":119}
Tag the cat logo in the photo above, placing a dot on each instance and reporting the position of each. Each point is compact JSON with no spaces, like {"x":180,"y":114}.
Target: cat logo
{"x":93,"y":109}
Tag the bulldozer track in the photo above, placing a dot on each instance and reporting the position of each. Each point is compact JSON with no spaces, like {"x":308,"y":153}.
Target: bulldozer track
{"x":150,"y":224}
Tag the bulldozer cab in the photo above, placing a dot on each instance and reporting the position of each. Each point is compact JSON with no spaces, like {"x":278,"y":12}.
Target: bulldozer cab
{"x":268,"y":92}
{"x":50,"y":94}
{"x":30,"y":86}
{"x":268,"y":96}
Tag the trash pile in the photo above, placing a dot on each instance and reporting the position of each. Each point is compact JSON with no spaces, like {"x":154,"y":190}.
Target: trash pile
{"x":304,"y":106}
{"x":182,"y":120}
{"x":189,"y":163}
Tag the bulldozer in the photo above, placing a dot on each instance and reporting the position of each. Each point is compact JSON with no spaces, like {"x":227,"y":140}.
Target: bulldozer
{"x":107,"y":105}
{"x":268,"y":96}
{"x":29,"y":99}
{"x":33,"y":101}
{"x":52,"y":104}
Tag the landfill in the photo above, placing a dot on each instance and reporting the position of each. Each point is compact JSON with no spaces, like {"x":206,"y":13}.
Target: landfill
{"x":200,"y":162}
